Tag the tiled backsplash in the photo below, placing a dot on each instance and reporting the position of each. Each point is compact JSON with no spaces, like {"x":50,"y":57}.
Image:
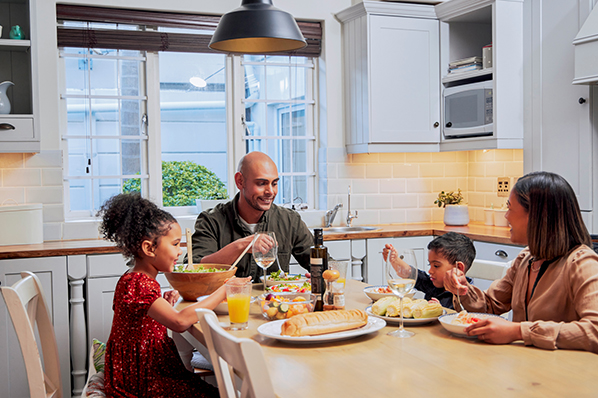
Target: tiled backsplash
{"x":386,"y":187}
{"x":401,"y":187}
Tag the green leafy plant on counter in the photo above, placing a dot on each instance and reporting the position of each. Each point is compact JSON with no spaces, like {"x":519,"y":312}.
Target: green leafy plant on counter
{"x":449,"y":198}
{"x":183,"y":182}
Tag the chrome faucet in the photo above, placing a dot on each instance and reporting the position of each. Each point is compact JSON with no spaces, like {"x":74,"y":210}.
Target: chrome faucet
{"x":350,"y":217}
{"x":330,"y":214}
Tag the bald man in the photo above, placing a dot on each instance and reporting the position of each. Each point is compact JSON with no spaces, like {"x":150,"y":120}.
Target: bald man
{"x":222,"y":233}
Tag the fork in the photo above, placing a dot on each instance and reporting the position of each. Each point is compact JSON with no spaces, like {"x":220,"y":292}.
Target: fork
{"x":458,"y":296}
{"x":282,"y":274}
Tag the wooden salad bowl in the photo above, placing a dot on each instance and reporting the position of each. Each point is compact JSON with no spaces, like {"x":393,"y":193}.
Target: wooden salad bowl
{"x":192,"y":285}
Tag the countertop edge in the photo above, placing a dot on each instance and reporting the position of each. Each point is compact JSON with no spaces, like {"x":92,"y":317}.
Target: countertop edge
{"x":477,"y":232}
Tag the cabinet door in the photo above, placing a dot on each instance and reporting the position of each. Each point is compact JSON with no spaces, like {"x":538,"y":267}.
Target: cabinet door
{"x":375,"y":274}
{"x":404,"y":79}
{"x":561,"y":132}
{"x":51,"y":272}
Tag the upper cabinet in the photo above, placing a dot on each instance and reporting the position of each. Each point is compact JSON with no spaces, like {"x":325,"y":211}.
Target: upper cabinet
{"x":18,"y":132}
{"x":466,"y":27}
{"x":396,"y":61}
{"x":392,"y":77}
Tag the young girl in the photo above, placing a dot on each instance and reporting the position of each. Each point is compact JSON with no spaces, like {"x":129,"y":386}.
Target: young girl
{"x":141,"y":360}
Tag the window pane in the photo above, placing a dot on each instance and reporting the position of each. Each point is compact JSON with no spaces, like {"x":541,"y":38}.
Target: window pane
{"x":277,"y":83}
{"x":193,"y":125}
{"x":254,"y":82}
{"x":80,"y":194}
{"x":78,"y":154}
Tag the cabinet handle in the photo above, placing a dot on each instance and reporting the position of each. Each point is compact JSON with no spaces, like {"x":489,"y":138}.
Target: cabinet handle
{"x":6,"y":126}
{"x":449,"y":124}
{"x":501,"y":253}
{"x":581,"y":100}
{"x":436,"y":124}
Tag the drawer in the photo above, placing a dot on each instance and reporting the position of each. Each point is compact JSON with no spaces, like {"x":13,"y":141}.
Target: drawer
{"x":16,"y":129}
{"x":496,"y":252}
{"x":102,"y":265}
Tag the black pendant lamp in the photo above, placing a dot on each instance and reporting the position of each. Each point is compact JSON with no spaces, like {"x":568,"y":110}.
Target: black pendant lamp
{"x":257,"y":27}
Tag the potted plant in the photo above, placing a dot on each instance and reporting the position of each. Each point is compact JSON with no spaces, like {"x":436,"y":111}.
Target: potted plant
{"x":455,"y":213}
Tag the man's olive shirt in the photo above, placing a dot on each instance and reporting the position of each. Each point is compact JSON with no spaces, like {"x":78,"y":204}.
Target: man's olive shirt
{"x":215,"y":228}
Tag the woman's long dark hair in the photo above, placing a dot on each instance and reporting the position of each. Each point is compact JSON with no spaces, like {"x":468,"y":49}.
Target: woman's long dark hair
{"x":128,"y":220}
{"x":554,"y":225}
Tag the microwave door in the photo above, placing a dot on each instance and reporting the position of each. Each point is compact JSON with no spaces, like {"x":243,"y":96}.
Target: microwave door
{"x":465,"y":113}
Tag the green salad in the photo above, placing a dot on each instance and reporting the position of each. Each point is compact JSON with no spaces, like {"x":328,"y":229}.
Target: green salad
{"x":179,"y":268}
{"x":275,"y":276}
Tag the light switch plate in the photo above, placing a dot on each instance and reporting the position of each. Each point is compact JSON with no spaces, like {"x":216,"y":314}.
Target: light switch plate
{"x":503,"y":186}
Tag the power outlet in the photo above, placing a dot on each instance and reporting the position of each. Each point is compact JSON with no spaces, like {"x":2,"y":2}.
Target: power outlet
{"x":503,"y":187}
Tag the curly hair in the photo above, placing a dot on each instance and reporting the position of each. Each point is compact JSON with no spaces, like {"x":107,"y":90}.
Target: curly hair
{"x":128,"y":220}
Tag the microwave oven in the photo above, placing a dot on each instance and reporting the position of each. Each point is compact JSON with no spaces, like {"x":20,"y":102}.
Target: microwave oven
{"x":468,"y":110}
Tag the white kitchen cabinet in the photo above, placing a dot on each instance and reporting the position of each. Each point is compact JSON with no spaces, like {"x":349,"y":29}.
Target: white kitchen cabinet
{"x":560,"y":135}
{"x":52,"y":273}
{"x":18,"y":132}
{"x":375,"y":274}
{"x":392,"y":77}
{"x":103,"y":272}
{"x":466,"y":26}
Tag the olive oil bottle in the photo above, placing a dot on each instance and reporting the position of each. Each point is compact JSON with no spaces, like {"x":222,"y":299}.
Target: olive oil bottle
{"x":318,"y":264}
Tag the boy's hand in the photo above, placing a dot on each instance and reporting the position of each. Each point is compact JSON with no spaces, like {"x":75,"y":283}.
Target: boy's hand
{"x":388,"y":248}
{"x":172,"y":296}
{"x":455,"y":282}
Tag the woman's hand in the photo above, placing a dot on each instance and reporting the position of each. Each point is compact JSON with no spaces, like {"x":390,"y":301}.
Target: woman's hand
{"x":172,"y":296}
{"x":455,"y":282}
{"x":495,"y":330}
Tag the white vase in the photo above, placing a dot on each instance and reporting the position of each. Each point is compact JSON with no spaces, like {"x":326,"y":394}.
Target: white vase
{"x":456,"y":215}
{"x":4,"y":102}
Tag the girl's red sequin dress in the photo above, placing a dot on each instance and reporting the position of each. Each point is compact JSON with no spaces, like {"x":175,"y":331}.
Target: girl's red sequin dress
{"x":141,"y":360}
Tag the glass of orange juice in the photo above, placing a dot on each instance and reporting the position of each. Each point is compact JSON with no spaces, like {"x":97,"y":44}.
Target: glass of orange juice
{"x":238,"y":296}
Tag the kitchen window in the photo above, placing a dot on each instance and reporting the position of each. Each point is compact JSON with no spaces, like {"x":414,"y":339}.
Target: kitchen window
{"x":122,"y":130}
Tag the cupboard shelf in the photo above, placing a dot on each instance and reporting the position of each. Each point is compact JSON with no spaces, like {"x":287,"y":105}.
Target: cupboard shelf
{"x":457,"y":77}
{"x":14,"y":45}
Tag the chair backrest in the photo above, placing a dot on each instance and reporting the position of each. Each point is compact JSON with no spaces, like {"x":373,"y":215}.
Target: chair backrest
{"x":27,"y":308}
{"x":235,"y":356}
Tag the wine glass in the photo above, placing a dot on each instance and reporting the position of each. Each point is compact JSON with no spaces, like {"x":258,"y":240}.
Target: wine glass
{"x":265,"y":250}
{"x":401,"y":280}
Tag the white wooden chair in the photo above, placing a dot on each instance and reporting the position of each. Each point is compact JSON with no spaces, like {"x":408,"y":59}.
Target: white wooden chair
{"x":232,"y":356}
{"x":27,"y":308}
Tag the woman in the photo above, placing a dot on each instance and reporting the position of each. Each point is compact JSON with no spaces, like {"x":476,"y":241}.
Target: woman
{"x":552,"y":285}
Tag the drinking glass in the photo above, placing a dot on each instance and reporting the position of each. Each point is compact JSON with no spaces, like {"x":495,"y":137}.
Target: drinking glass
{"x":401,"y":280}
{"x":238,"y":297}
{"x":265,"y":250}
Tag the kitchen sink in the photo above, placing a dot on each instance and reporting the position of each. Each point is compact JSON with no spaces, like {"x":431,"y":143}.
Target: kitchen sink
{"x":344,"y":230}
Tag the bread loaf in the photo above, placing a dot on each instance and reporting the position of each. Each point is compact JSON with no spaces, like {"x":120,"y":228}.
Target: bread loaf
{"x":315,"y":323}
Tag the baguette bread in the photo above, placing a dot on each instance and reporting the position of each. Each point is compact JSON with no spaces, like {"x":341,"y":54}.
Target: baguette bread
{"x":315,"y":323}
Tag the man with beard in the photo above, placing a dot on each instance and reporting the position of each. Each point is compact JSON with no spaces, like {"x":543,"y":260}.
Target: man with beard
{"x":222,"y":233}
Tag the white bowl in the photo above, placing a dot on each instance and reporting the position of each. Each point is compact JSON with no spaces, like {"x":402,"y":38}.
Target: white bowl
{"x":374,"y":296}
{"x":458,"y":329}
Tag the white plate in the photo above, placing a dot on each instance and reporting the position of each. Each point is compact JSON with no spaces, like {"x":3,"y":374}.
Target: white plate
{"x":459,"y":330}
{"x":406,"y":321}
{"x":272,"y":330}
{"x":270,"y":282}
{"x":369,"y":291}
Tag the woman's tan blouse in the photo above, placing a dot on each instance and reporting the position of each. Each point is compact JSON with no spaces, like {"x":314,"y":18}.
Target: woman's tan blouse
{"x":563,"y":311}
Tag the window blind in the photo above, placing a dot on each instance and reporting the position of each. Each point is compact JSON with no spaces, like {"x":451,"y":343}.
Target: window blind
{"x":151,"y":40}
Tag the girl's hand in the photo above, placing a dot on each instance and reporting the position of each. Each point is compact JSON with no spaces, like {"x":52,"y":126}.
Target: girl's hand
{"x":495,"y":330}
{"x":455,"y":282}
{"x":172,"y":296}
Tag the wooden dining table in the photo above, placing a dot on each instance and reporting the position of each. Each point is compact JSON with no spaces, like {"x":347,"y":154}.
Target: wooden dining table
{"x":432,"y":363}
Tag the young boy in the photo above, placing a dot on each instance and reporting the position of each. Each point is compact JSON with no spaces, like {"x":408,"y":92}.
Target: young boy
{"x":445,"y":252}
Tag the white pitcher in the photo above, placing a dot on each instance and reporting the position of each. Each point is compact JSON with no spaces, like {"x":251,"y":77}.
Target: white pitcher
{"x":4,"y":102}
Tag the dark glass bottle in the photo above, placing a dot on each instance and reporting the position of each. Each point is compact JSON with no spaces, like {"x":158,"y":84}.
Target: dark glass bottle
{"x":318,"y":264}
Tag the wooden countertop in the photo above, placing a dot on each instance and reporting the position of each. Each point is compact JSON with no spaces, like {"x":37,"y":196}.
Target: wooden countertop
{"x":475,"y":231}
{"x":431,"y":363}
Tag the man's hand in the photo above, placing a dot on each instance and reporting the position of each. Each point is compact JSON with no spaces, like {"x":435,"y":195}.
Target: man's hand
{"x":172,"y":296}
{"x":263,"y":243}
